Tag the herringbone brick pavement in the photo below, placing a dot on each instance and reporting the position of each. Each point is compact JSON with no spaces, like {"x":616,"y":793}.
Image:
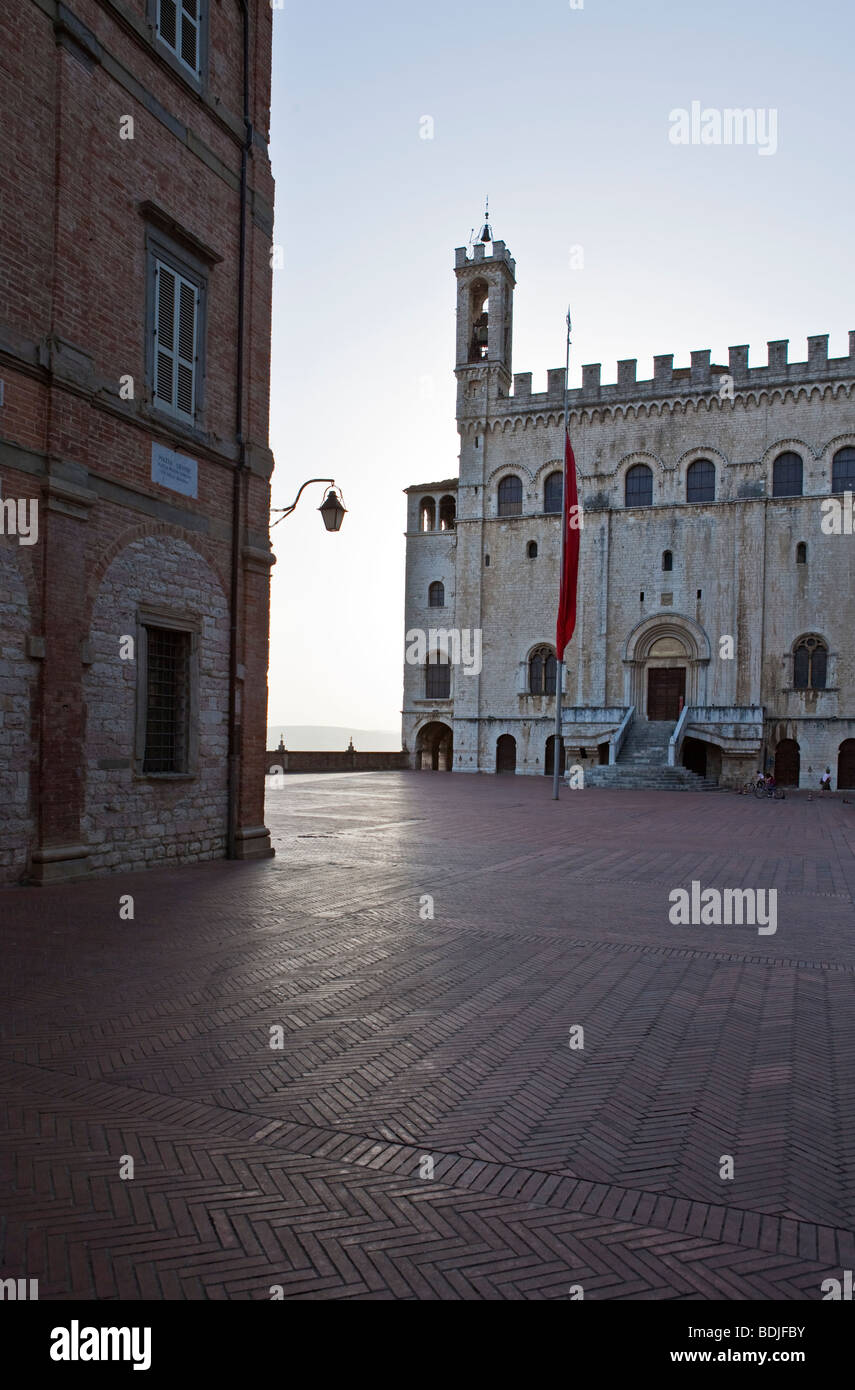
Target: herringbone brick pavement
{"x":441,"y":1033}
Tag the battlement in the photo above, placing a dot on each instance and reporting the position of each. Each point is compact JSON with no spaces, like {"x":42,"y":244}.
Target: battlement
{"x":701,"y":375}
{"x":500,"y":253}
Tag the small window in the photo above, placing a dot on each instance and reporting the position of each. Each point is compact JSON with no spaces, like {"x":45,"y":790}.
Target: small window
{"x":531,"y":550}
{"x":843,"y":471}
{"x":810,"y":664}
{"x":641,"y":597}
{"x":176,"y":342}
{"x":787,"y":475}
{"x":700,"y":594}
{"x":437,"y":680}
{"x":510,"y":496}
{"x":639,"y":486}
{"x":553,"y":492}
{"x":801,"y":553}
{"x":541,"y":672}
{"x":178,"y":27}
{"x":167,"y":700}
{"x":667,"y":560}
{"x":486,"y":562}
{"x":447,"y":513}
{"x":700,"y":481}
{"x":436,"y":595}
{"x":427,"y":514}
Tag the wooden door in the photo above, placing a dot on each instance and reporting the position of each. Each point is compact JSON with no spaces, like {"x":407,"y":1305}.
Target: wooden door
{"x":787,"y":763}
{"x":506,"y":754}
{"x":846,"y":764}
{"x":665,"y":686}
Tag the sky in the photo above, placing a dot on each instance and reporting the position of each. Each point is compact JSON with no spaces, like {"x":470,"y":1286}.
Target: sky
{"x":563,"y":116}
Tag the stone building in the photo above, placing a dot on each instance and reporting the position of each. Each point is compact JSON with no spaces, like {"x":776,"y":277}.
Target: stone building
{"x":716,"y":573}
{"x":136,"y":206}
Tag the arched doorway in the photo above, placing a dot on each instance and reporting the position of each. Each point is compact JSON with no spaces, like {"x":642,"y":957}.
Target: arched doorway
{"x":787,"y":763}
{"x":666,"y":678}
{"x":506,"y":753}
{"x":549,"y":760}
{"x":846,"y":764}
{"x":435,"y":748}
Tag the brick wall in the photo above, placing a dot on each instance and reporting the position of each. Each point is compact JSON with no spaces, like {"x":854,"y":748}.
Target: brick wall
{"x":77,"y":203}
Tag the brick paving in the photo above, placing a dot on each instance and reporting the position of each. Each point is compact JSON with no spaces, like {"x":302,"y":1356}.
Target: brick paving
{"x":408,"y":1038}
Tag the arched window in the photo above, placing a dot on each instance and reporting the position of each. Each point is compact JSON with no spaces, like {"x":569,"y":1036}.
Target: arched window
{"x":700,"y":481}
{"x":787,"y":474}
{"x":553,"y":492}
{"x":479,"y":308}
{"x":801,"y":553}
{"x":510,"y":496}
{"x":843,"y":471}
{"x":437,"y":680}
{"x":436,"y":594}
{"x":427,"y":514}
{"x":541,"y":671}
{"x":639,"y":486}
{"x":447,"y":513}
{"x":667,"y":560}
{"x":531,"y":550}
{"x":810,"y":664}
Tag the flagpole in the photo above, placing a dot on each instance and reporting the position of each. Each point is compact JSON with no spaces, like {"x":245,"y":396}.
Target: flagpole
{"x":559,"y":656}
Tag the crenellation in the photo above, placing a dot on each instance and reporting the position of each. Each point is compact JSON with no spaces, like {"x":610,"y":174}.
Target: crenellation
{"x":778,"y":355}
{"x":555,"y":382}
{"x":737,"y":359}
{"x":591,"y":378}
{"x":700,"y":369}
{"x":626,"y":372}
{"x":522,"y":386}
{"x":818,"y":352}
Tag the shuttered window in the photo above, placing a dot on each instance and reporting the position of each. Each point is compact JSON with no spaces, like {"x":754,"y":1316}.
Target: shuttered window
{"x":176,"y":332}
{"x":178,"y":23}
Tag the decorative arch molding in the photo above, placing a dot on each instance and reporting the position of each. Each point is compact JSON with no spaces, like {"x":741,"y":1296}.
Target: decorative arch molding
{"x":652,"y":461}
{"x":703,"y":451}
{"x":552,"y":466}
{"x":637,"y":656}
{"x":151,"y":530}
{"x":841,"y":441}
{"x":504,"y":469}
{"x":680,"y":625}
{"x":785,"y":446}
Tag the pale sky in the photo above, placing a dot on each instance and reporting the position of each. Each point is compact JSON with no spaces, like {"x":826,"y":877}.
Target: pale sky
{"x":561,"y":115}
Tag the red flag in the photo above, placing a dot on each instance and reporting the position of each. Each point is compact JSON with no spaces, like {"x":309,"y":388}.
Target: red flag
{"x":571,"y":521}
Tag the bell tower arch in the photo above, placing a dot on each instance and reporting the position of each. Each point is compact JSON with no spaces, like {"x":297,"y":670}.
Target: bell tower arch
{"x":485,"y":306}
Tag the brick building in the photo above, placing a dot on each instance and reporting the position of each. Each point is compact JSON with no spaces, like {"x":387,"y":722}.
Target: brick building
{"x":136,"y":208}
{"x":716,"y":571}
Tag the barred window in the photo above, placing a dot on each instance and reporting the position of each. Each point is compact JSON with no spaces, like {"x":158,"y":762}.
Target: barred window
{"x":510,"y":496}
{"x":436,"y":594}
{"x":787,"y":475}
{"x":437,"y":680}
{"x":167,"y":700}
{"x":700,"y":481}
{"x":553,"y":492}
{"x":843,"y":471}
{"x":639,"y":486}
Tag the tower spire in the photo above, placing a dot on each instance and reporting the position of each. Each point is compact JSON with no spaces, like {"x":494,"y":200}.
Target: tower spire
{"x":486,"y":230}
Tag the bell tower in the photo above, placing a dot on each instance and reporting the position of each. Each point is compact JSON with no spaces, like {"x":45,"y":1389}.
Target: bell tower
{"x":485,"y":305}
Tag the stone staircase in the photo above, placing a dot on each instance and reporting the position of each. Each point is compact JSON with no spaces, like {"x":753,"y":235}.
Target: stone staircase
{"x":643,"y":764}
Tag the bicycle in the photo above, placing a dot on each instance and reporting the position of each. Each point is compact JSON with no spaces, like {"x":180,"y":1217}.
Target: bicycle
{"x":753,"y":785}
{"x":762,"y":790}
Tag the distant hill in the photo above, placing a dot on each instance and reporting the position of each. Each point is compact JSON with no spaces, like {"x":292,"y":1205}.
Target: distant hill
{"x":324,"y":738}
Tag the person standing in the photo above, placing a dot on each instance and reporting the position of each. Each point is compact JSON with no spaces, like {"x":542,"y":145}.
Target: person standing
{"x":825,"y":780}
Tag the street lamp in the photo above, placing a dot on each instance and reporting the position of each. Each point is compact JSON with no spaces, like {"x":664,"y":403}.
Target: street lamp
{"x":332,"y":509}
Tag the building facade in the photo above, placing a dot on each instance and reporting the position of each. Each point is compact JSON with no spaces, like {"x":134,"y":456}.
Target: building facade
{"x":136,"y":213}
{"x":716,"y":573}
